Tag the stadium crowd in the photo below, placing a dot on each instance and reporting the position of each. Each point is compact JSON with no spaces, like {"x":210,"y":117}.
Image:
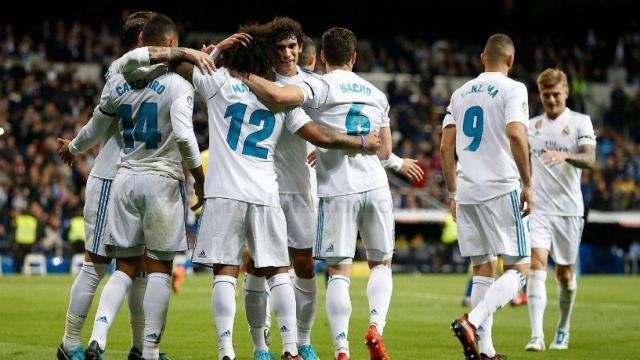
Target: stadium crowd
{"x":40,"y":101}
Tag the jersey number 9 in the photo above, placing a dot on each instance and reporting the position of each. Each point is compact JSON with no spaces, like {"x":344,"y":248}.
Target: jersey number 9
{"x":472,"y":126}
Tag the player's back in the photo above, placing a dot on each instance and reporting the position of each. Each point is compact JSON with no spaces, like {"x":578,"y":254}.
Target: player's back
{"x":144,"y":116}
{"x":481,"y":109}
{"x":243,"y":132}
{"x":355,"y":107}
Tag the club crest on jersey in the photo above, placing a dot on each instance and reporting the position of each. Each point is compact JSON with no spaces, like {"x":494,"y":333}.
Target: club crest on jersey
{"x":565,"y":130}
{"x":538,"y":124}
{"x":190,"y":101}
{"x":525,"y":108}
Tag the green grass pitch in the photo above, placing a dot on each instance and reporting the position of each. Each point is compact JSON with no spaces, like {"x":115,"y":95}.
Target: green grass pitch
{"x":605,"y":323}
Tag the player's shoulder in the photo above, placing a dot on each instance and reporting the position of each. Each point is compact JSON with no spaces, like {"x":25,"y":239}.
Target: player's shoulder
{"x":575,"y":115}
{"x":175,"y":81}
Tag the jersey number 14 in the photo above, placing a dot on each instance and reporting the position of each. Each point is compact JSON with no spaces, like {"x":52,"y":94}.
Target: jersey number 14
{"x":147,"y":115}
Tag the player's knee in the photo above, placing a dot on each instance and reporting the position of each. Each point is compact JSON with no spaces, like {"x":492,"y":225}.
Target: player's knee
{"x":564,"y":274}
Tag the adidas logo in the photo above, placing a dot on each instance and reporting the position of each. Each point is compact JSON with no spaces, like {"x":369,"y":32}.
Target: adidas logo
{"x":202,"y":254}
{"x":102,"y":319}
{"x":330,"y":248}
{"x":284,"y":329}
{"x":480,"y":328}
{"x":373,"y":312}
{"x":341,"y":336}
{"x":153,"y":337}
{"x":227,"y":333}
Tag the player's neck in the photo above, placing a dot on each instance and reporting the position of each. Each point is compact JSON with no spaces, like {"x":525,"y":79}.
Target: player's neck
{"x":555,"y":115}
{"x":345,"y":67}
{"x":497,"y":68}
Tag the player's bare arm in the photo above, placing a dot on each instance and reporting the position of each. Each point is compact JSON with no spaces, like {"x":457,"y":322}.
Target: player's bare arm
{"x":289,"y":95}
{"x":448,"y":155}
{"x":330,"y":139}
{"x":517,"y":134}
{"x":405,"y":166}
{"x":585,"y":158}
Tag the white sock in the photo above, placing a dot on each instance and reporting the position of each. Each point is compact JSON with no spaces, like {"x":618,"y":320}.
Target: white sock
{"x":284,"y":305}
{"x":111,"y":299}
{"x":339,"y":312}
{"x":255,"y":304}
{"x":379,"y":291}
{"x":480,"y":286}
{"x":224,"y":312}
{"x":499,"y":294}
{"x":566,"y":298}
{"x":156,"y":305}
{"x":81,"y":296}
{"x":136,"y":310}
{"x":306,"y":291}
{"x":537,"y":294}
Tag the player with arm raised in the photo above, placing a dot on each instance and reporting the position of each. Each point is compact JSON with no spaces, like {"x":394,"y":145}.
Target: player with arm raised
{"x":241,"y":188}
{"x":485,"y":126}
{"x":98,"y":195}
{"x":155,"y":135}
{"x":353,"y":188}
{"x":562,"y":144}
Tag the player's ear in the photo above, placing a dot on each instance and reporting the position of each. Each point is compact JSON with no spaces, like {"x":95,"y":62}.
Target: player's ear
{"x":510,"y":60}
{"x":483,"y":59}
{"x":353,"y":58}
{"x":324,"y":61}
{"x":139,"y":41}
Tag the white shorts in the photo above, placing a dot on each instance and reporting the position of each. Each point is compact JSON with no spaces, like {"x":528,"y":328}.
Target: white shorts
{"x":494,"y":227}
{"x":560,"y":235}
{"x":225,"y":226}
{"x":341,"y":217}
{"x":300,"y":213}
{"x":96,"y":205}
{"x":147,"y":210}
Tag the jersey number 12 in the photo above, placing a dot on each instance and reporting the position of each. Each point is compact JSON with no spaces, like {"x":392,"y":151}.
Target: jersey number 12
{"x":257,"y":118}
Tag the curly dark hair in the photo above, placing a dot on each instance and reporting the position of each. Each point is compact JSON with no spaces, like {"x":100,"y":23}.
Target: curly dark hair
{"x":259,"y":58}
{"x":283,"y":27}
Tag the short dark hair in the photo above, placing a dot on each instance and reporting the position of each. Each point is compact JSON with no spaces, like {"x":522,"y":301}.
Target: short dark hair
{"x":283,"y":27}
{"x":158,"y":29}
{"x":260,"y":57}
{"x":498,"y":49}
{"x":338,"y":45}
{"x":308,"y":50}
{"x":133,"y":26}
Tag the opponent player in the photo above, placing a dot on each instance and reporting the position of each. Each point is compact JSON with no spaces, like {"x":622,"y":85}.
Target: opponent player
{"x":485,"y":126}
{"x":562,"y":144}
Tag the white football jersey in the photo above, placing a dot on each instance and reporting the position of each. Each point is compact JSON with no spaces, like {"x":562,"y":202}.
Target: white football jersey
{"x":153,"y":124}
{"x":243,"y":132}
{"x":557,"y":188}
{"x":351,"y":105}
{"x":291,"y":151}
{"x":481,"y":110}
{"x":105,"y":163}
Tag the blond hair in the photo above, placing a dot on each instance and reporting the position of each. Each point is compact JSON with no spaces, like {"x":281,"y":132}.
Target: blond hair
{"x":550,"y":78}
{"x":498,"y":49}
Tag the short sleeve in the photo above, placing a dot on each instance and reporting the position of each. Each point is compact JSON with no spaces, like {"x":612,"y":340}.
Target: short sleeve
{"x":106,"y":105}
{"x":295,"y":119}
{"x":516,"y":107}
{"x":386,"y":122}
{"x":208,"y":85}
{"x":448,"y":117}
{"x":586,"y":135}
{"x":316,"y":91}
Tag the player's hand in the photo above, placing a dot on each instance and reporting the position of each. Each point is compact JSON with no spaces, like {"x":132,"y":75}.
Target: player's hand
{"x":526,"y":199}
{"x":553,"y":158}
{"x":373,"y":143}
{"x":234,"y":40}
{"x":411,"y":169}
{"x":201,"y":60}
{"x":452,"y":207}
{"x":199,"y":190}
{"x":207,"y":48}
{"x":64,"y":152}
{"x":312,"y":158}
